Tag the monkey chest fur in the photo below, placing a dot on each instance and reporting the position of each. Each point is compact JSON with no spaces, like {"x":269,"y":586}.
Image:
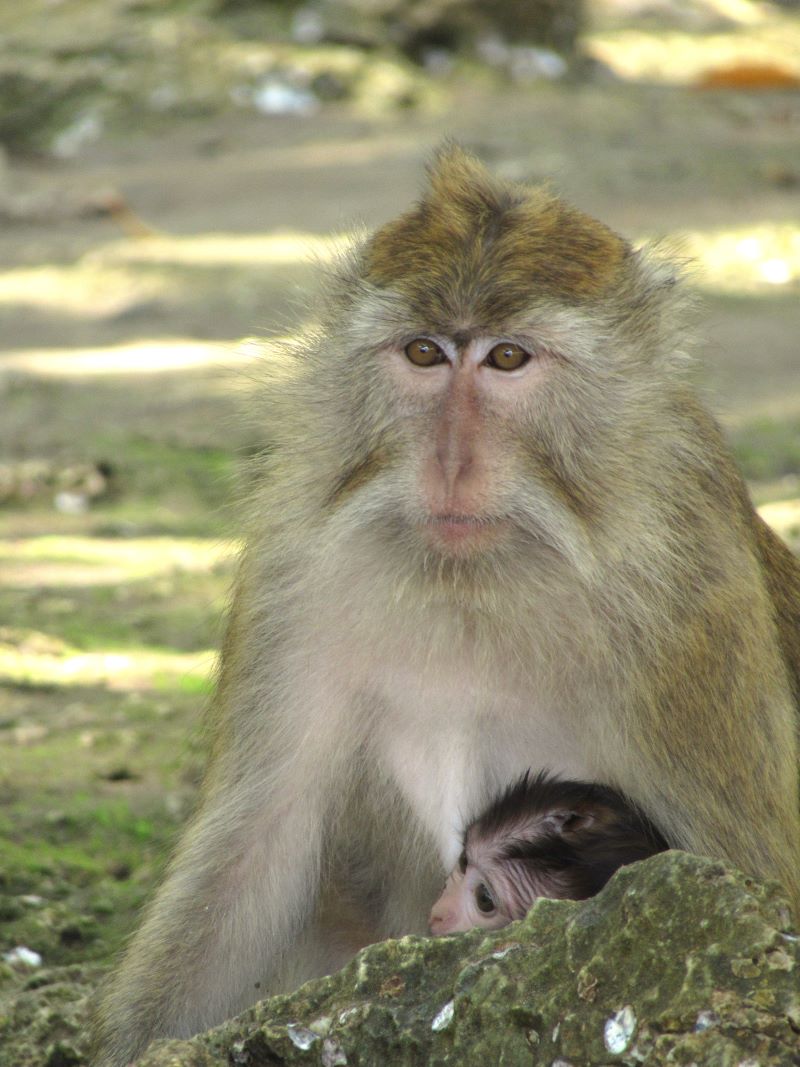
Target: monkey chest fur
{"x":452,"y":733}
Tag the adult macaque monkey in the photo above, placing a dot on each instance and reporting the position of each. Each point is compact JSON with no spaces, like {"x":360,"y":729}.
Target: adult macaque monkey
{"x":494,"y":530}
{"x":542,"y":837}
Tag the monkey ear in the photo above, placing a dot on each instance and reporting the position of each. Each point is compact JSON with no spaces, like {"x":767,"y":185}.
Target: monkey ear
{"x":660,"y":265}
{"x":567,"y":822}
{"x":661,"y":307}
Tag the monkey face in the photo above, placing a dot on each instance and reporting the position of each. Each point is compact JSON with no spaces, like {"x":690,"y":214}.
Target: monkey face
{"x":481,"y":381}
{"x":462,"y":391}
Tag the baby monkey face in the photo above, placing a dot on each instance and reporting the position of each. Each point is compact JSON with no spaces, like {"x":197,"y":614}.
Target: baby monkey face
{"x":468,"y":900}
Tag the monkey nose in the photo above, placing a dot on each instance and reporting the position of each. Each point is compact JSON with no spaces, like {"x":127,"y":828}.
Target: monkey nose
{"x":437,"y":920}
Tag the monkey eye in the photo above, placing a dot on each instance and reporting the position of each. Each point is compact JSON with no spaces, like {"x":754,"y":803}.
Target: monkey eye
{"x":424,"y":353}
{"x":507,"y":356}
{"x":484,"y":899}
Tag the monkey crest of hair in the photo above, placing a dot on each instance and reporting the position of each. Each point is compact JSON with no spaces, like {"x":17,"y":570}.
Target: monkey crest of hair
{"x":491,"y":528}
{"x":478,"y":248}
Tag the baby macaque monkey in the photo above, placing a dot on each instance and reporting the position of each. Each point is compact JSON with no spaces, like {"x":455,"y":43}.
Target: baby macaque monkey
{"x":543,"y":837}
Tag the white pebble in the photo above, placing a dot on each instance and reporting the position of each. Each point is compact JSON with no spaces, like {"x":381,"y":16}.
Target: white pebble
{"x":619,"y":1029}
{"x":20,"y":954}
{"x":444,"y":1017}
{"x":71,"y":503}
{"x":300,"y":1037}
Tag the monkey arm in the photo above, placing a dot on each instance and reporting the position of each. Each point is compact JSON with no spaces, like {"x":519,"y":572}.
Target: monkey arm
{"x":714,"y":759}
{"x":782,"y":574}
{"x":208,"y":944}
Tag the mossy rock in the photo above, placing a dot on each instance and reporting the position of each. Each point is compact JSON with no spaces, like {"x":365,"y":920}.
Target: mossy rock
{"x":678,"y":960}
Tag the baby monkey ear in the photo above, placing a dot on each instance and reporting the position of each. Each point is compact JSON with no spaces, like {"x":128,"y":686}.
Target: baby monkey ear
{"x":569,"y":823}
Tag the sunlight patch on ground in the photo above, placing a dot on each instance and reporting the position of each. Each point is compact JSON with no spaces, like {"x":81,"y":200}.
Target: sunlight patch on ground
{"x":111,"y":278}
{"x":22,"y":663}
{"x":223,"y":249}
{"x":76,"y":562}
{"x":81,"y":289}
{"x":742,"y":260}
{"x":152,"y":356}
{"x":680,"y":58}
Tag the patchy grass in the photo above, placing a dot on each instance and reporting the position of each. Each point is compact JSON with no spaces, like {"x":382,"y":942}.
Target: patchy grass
{"x":95,"y":781}
{"x":104,"y":672}
{"x":71,"y":882}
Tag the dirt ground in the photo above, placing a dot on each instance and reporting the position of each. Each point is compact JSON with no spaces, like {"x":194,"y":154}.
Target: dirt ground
{"x":122,"y":347}
{"x":651,"y":161}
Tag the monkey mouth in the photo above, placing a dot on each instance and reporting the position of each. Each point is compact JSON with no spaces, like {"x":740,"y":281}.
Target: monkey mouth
{"x":464,"y":533}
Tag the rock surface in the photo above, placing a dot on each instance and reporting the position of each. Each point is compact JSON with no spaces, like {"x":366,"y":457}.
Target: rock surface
{"x":680,"y":960}
{"x":44,"y":1015}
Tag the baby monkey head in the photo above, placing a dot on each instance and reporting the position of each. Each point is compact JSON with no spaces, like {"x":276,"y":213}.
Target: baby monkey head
{"x":542,"y":837}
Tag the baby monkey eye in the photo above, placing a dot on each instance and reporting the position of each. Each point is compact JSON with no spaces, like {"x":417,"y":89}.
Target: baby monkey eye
{"x":424,"y":353}
{"x":507,"y":356}
{"x":484,"y":899}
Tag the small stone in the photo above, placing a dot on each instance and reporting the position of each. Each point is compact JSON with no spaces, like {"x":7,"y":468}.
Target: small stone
{"x":778,"y":960}
{"x":71,"y":503}
{"x":301,"y":1037}
{"x":444,"y":1017}
{"x":23,"y":955}
{"x":619,"y":1030}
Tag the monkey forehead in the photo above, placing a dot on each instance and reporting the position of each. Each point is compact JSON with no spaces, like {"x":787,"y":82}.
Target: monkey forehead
{"x":478,"y":247}
{"x":484,"y":843}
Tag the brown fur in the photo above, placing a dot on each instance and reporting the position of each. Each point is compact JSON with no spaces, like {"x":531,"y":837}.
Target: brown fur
{"x":477,"y":249}
{"x":628,"y":619}
{"x":782,"y":574}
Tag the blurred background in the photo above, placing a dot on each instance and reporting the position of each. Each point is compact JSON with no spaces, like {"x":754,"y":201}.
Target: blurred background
{"x":170,"y":172}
